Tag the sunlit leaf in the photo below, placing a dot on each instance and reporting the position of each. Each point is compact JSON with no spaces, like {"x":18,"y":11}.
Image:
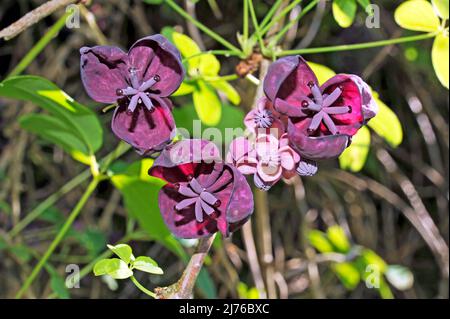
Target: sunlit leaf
{"x":441,"y":7}
{"x":323,"y":73}
{"x":227,"y":89}
{"x":386,"y":124}
{"x":208,"y":65}
{"x":344,"y":12}
{"x":73,"y":117}
{"x":347,"y":274}
{"x":320,"y":241}
{"x":207,"y":104}
{"x":440,"y":58}
{"x":188,"y":48}
{"x":400,"y":277}
{"x":101,"y":267}
{"x":417,"y":15}
{"x":118,"y":269}
{"x":144,"y":263}
{"x":355,"y":156}
{"x":123,"y":251}
{"x":184,"y":89}
{"x":338,"y":238}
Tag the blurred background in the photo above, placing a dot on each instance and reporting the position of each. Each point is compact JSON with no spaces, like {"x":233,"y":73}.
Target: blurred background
{"x":311,"y":238}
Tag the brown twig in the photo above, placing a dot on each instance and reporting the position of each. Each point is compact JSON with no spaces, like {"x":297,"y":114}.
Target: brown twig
{"x":32,"y":17}
{"x":183,"y":288}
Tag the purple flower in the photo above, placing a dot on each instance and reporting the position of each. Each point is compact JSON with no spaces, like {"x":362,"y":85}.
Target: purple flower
{"x":139,"y":82}
{"x":268,"y":159}
{"x":203,"y":195}
{"x":322,"y":119}
{"x":264,"y":119}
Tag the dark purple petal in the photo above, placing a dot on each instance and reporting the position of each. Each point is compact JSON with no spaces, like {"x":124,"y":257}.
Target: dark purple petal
{"x":315,"y":147}
{"x":155,"y":55}
{"x":103,"y":71}
{"x":146,"y":131}
{"x":288,"y":79}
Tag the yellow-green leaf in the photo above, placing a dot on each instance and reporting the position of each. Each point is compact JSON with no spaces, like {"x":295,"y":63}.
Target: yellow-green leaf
{"x":338,"y":238}
{"x":227,"y":89}
{"x":344,"y":12}
{"x":355,"y":156}
{"x":320,"y":241}
{"x":386,"y":124}
{"x":323,"y":73}
{"x":184,"y":89}
{"x":440,"y":58}
{"x":347,"y":274}
{"x":188,"y":49}
{"x":441,"y":7}
{"x":208,"y":65}
{"x":417,"y":15}
{"x":207,"y":104}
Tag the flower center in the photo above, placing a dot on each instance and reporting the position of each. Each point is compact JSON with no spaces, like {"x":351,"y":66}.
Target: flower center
{"x":136,"y":93}
{"x":271,"y":159}
{"x":204,"y":201}
{"x":263,"y":118}
{"x":322,"y":106}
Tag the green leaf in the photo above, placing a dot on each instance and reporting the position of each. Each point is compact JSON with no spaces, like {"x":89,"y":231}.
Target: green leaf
{"x":93,"y":240}
{"x":123,"y":251}
{"x":57,"y":283}
{"x":338,"y":239}
{"x":144,"y":263}
{"x":344,"y":12}
{"x":154,"y":2}
{"x":232,"y":118}
{"x":400,"y":277}
{"x":347,"y":274}
{"x":355,"y":156}
{"x":227,"y":89}
{"x":440,"y":58}
{"x":320,"y":241}
{"x":322,"y":72}
{"x":207,"y":104}
{"x":442,"y":8}
{"x":189,"y":50}
{"x":384,"y":290}
{"x":118,"y":269}
{"x":74,"y":117}
{"x":184,"y":89}
{"x":101,"y":267}
{"x":365,"y":4}
{"x":53,"y":130}
{"x":386,"y":124}
{"x":21,"y":252}
{"x":141,"y":202}
{"x":417,"y":15}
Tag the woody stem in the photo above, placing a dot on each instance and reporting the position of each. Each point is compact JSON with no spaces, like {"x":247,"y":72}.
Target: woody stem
{"x":183,"y":289}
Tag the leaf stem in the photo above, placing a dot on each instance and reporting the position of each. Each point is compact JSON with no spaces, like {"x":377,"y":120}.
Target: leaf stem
{"x":245,"y":21}
{"x":258,"y":33}
{"x":358,"y":46}
{"x":214,"y":52}
{"x":291,"y":23}
{"x":62,"y":232}
{"x":142,"y":288}
{"x":278,"y":17}
{"x":40,"y":45}
{"x":202,"y":27}
{"x":271,"y":12}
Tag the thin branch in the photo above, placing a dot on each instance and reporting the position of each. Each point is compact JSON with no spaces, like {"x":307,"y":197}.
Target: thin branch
{"x":183,"y":289}
{"x":33,"y":17}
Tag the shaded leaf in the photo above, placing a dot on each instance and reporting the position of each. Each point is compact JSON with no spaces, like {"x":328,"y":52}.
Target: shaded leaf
{"x":227,"y":89}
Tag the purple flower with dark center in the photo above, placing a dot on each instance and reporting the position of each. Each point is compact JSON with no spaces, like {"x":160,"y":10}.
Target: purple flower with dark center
{"x":140,"y":82}
{"x":203,"y":195}
{"x":322,"y":119}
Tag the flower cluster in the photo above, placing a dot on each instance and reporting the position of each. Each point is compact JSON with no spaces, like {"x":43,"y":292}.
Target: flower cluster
{"x":299,"y":122}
